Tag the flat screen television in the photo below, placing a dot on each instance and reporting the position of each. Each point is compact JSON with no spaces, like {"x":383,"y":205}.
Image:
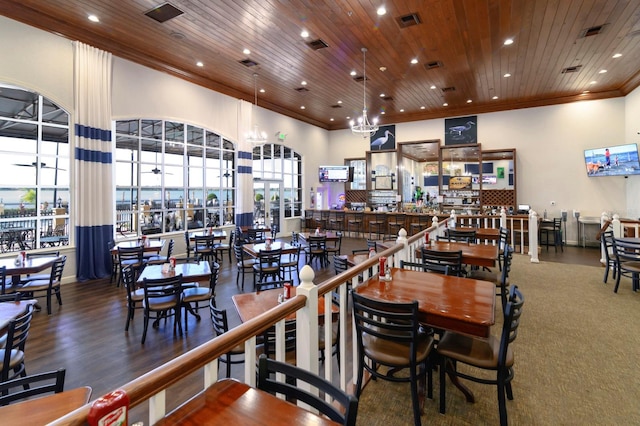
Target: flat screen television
{"x":614,"y":160}
{"x":335,"y":174}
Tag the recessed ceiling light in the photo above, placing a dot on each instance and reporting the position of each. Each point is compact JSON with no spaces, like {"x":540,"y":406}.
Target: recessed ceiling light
{"x":382,"y":95}
{"x":382,"y":112}
{"x":469,"y":101}
{"x":200,"y":64}
{"x":246,"y":52}
{"x":507,"y":75}
{"x":602,"y":71}
{"x":339,"y":102}
{"x":584,"y":93}
{"x":593,"y":82}
{"x":445,"y":104}
{"x":262,"y":90}
{"x":401,"y":109}
{"x":353,"y":73}
{"x":433,"y":86}
{"x":93,"y":18}
{"x":348,"y":117}
{"x":414,"y":61}
{"x":508,"y":41}
{"x":495,"y":97}
{"x":304,"y":83}
{"x":617,"y":55}
{"x":382,"y":69}
{"x":302,"y":107}
{"x":381,"y":11}
{"x":331,"y":119}
{"x":423,"y":107}
{"x":304,"y":34}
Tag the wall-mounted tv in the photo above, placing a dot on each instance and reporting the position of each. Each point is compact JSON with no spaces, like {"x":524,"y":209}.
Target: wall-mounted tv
{"x":614,"y":160}
{"x":335,"y":174}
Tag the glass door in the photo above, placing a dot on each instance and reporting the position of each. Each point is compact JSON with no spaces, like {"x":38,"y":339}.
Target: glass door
{"x":267,"y":200}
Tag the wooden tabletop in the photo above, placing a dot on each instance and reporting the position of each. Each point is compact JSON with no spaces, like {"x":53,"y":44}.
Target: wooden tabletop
{"x":355,"y":259}
{"x":253,"y":249}
{"x":197,"y":272}
{"x":483,"y":233}
{"x":250,"y":305}
{"x":149,"y":245}
{"x":230,"y":402}
{"x":246,"y":228}
{"x":329,"y":235}
{"x":452,"y":303}
{"x":218,"y":234}
{"x":12,"y":310}
{"x":29,"y":266}
{"x":472,"y":254}
{"x":45,"y":409}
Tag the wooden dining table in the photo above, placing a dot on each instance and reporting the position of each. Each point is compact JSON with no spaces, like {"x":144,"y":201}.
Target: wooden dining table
{"x":150,"y":245}
{"x":253,"y":249}
{"x":31,"y":265}
{"x":217,"y":234}
{"x":199,"y":272}
{"x":446,"y":302}
{"x":230,"y":402}
{"x":329,"y":235}
{"x":492,"y":234}
{"x":472,"y":254}
{"x":250,"y":305}
{"x":45,"y":409}
{"x":12,"y":310}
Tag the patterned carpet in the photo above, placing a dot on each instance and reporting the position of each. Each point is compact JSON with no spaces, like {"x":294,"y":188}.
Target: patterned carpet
{"x":577,"y":358}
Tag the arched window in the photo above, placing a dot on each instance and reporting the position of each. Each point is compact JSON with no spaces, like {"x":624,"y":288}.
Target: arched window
{"x":277,"y":162}
{"x":34,"y":159}
{"x":172,"y":176}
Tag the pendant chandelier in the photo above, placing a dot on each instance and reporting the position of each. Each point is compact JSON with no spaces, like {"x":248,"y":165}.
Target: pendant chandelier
{"x":363,"y":126}
{"x":255,"y":136}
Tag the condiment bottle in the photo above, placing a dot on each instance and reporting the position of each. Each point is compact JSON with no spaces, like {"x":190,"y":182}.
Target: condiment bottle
{"x":111,"y":409}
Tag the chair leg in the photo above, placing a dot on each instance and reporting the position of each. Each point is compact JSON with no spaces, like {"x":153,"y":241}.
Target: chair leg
{"x":146,"y":326}
{"x":415,"y":398}
{"x":443,"y":382}
{"x":502,"y":404}
{"x":615,"y":289}
{"x":49,"y":302}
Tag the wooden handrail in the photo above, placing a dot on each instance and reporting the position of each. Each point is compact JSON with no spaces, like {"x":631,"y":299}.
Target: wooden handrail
{"x":144,"y":387}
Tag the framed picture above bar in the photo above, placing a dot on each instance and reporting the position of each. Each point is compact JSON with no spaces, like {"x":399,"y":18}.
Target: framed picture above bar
{"x":461,"y":130}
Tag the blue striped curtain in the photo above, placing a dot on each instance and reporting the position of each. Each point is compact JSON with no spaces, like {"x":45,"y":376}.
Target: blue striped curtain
{"x":93,"y":186}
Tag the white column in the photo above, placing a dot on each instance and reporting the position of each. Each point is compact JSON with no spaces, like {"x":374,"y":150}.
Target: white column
{"x":533,"y":236}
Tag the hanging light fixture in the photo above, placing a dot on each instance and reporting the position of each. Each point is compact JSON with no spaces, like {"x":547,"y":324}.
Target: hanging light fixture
{"x":363,"y":126}
{"x":255,"y":136}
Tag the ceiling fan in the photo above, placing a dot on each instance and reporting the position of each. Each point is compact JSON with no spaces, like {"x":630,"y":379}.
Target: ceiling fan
{"x":42,"y":166}
{"x":156,"y":170}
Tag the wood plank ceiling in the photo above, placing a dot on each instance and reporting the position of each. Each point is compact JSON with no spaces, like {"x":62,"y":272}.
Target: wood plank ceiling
{"x":560,"y":51}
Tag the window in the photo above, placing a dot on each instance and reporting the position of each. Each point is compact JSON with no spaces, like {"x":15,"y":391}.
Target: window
{"x":172,"y":176}
{"x":277,"y":162}
{"x":34,"y":159}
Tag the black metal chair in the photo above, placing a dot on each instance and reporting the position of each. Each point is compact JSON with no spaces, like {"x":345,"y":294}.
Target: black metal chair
{"x":336,"y":221}
{"x":316,"y":250}
{"x":267,"y":265}
{"x":485,"y":354}
{"x":389,"y":334}
{"x":193,"y":295}
{"x":324,"y":400}
{"x":220,"y":326}
{"x":204,"y":248}
{"x":12,"y":355}
{"x":606,"y":240}
{"x":378,"y":225}
{"x":29,"y":386}
{"x":461,"y":235}
{"x":354,"y":222}
{"x":159,"y":259}
{"x":49,"y":286}
{"x":130,"y":256}
{"x":162,"y":299}
{"x":289,"y":263}
{"x":436,"y":259}
{"x":627,"y":256}
{"x":334,"y":247}
{"x":244,"y":263}
{"x":554,"y":230}
{"x":34,"y":255}
{"x":501,"y":280}
{"x":135,"y":296}
{"x":415,"y":266}
{"x":220,"y":248}
{"x":6,"y":284}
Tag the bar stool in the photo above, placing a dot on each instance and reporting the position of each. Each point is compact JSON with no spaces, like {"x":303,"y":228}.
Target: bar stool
{"x":396,"y":222}
{"x":415,"y":227}
{"x":354,"y":222}
{"x":378,"y":224}
{"x":336,"y":223}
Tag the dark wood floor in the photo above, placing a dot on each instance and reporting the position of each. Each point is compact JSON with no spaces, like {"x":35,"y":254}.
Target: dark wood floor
{"x":86,"y":335}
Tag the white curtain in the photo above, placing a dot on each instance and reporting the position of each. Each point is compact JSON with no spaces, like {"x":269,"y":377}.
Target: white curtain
{"x":244,"y":195}
{"x":93,"y":161}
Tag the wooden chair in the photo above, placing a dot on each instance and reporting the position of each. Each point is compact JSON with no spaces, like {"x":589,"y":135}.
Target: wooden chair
{"x":244,"y":263}
{"x":389,"y":334}
{"x":627,"y":256}
{"x":135,"y":296}
{"x":130,"y":256}
{"x":50,"y":286}
{"x":193,"y":295}
{"x":162,"y":299}
{"x":484,"y":354}
{"x":157,"y":259}
{"x":12,"y":354}
{"x":436,"y":259}
{"x":33,"y":385}
{"x":268,"y":264}
{"x":220,"y":326}
{"x":606,"y":240}
{"x":329,"y":400}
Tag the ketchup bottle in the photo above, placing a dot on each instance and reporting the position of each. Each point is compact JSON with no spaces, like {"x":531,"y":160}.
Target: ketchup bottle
{"x":111,"y":409}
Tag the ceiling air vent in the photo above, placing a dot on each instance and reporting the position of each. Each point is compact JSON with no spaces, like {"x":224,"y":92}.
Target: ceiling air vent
{"x":317,"y":44}
{"x":448,"y":89}
{"x":408,"y":20}
{"x":387,"y":98}
{"x":336,"y":106}
{"x":301,"y":90}
{"x":164,"y":12}
{"x":433,"y":64}
{"x":588,"y":32}
{"x":571,"y":69}
{"x":359,"y":78}
{"x":248,"y":63}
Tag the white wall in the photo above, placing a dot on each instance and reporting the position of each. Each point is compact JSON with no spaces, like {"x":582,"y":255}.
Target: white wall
{"x":549,"y":144}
